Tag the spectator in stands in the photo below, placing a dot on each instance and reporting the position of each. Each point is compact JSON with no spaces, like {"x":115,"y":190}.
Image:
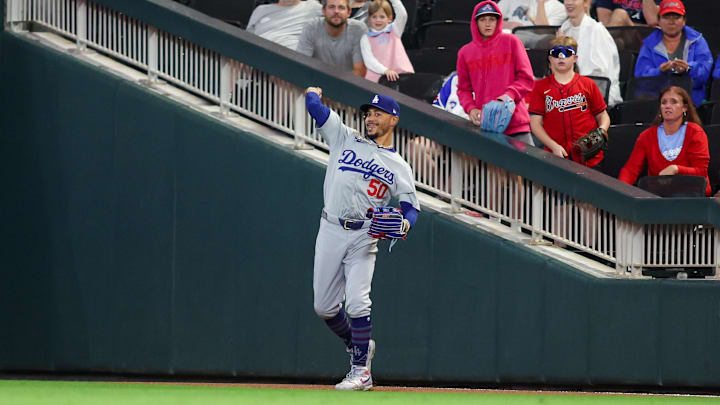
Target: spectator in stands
{"x":335,"y":39}
{"x":447,"y":98}
{"x":359,"y":10}
{"x":494,"y":65}
{"x":675,"y":49}
{"x":620,"y":13}
{"x":519,"y":13}
{"x":597,"y":52}
{"x":283,"y":21}
{"x":382,"y":49}
{"x":565,"y":106}
{"x":675,"y":144}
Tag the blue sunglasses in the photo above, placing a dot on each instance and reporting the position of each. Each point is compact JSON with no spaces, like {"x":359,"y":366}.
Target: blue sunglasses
{"x":562,"y":51}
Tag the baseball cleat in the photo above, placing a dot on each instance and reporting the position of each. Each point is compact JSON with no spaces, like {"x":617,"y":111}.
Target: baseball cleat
{"x":370,"y":355}
{"x":358,"y":379}
{"x":349,"y":350}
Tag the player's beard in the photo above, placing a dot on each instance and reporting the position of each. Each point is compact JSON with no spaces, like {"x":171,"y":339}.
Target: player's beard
{"x":379,"y":131}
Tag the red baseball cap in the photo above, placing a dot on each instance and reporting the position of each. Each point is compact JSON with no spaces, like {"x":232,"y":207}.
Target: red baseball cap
{"x":672,"y":6}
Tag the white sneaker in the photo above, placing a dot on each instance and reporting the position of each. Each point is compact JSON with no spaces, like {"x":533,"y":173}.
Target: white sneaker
{"x":358,"y":379}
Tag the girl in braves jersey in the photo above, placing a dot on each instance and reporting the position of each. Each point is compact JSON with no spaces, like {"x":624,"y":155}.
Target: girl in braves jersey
{"x":565,"y":106}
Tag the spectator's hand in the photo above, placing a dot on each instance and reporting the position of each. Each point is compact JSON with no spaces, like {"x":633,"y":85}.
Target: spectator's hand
{"x":667,"y":66}
{"x":558,"y":150}
{"x":669,"y":171}
{"x":476,"y":116}
{"x":392,"y":75}
{"x":316,"y":90}
{"x":509,"y":25}
{"x":680,"y":66}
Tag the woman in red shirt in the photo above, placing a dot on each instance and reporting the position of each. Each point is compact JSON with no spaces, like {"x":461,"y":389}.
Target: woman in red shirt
{"x":675,"y":144}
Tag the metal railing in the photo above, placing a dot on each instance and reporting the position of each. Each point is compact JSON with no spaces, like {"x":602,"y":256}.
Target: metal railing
{"x":469,"y":184}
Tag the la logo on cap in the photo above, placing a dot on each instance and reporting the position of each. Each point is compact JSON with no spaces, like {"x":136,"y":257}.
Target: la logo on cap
{"x":487,"y":7}
{"x":375,"y":100}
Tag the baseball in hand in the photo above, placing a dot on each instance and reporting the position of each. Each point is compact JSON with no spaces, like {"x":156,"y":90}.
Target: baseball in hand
{"x":316,"y":90}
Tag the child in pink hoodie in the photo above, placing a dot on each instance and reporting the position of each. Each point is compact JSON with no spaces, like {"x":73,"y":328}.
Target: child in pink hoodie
{"x":494,"y":66}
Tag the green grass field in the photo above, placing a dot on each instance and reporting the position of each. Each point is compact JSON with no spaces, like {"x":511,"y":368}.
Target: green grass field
{"x":71,"y":392}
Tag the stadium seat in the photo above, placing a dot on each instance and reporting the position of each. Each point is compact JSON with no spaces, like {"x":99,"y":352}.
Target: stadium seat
{"x":714,"y":115}
{"x":709,"y":112}
{"x":411,"y":8}
{"x":630,"y":38}
{"x":621,"y":141}
{"x":451,"y":9}
{"x":633,"y":112}
{"x":713,"y":134}
{"x":715,"y":90}
{"x":627,"y":68}
{"x":422,"y":12}
{"x":539,"y":62}
{"x":233,"y":12}
{"x":674,"y":186}
{"x":643,"y":88}
{"x":446,"y":33}
{"x":702,"y":16}
{"x":603,"y":84}
{"x":536,"y":36}
{"x":433,"y":60}
{"x":423,"y":86}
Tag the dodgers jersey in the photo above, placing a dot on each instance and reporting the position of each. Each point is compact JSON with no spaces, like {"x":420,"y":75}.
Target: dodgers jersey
{"x":362,"y":174}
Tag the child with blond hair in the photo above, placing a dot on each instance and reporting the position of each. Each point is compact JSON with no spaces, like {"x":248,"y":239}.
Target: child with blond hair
{"x":382,"y":49}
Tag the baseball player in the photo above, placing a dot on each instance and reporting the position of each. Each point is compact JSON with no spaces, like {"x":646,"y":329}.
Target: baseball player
{"x":363,"y":174}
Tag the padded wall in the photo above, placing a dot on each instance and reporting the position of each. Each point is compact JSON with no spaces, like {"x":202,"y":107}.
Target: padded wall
{"x":140,"y":236}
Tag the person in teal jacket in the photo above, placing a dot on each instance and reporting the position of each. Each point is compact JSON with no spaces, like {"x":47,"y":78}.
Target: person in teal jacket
{"x":675,"y":48}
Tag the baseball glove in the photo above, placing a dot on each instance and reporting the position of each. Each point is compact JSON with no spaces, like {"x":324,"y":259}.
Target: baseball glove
{"x":591,"y":144}
{"x":387,"y":223}
{"x":496,"y":115}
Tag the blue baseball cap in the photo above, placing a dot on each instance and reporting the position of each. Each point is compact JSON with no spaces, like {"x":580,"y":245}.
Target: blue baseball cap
{"x":383,"y":102}
{"x":489,"y":8}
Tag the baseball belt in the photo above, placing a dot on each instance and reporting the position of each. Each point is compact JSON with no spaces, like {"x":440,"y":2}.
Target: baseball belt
{"x":346,"y":223}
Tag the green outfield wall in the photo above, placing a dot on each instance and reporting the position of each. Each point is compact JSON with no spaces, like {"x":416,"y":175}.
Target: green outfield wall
{"x":139,"y":236}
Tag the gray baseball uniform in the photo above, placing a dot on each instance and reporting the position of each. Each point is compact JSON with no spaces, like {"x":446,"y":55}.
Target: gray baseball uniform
{"x":360,"y":175}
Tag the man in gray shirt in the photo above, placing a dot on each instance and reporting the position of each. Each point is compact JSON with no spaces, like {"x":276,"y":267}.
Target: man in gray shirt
{"x":335,"y":39}
{"x":284,"y":21}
